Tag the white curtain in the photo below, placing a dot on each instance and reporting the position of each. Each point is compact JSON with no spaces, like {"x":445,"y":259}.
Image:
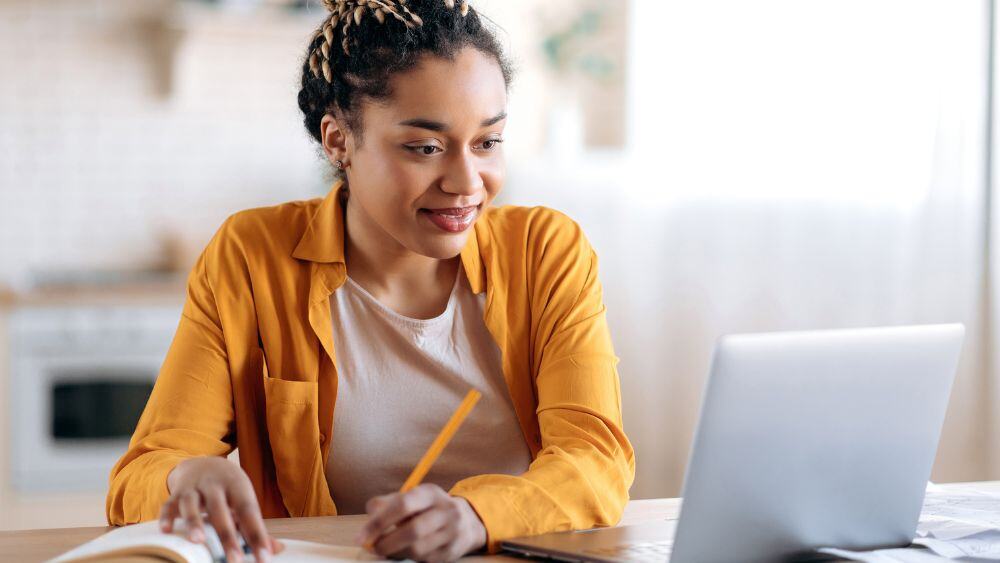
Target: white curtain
{"x":791,"y":165}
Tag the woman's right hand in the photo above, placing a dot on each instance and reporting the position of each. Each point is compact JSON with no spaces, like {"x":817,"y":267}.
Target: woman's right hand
{"x":220,"y":488}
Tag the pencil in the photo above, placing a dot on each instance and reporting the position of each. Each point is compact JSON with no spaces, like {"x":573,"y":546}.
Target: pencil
{"x":438,"y":445}
{"x":420,"y":471}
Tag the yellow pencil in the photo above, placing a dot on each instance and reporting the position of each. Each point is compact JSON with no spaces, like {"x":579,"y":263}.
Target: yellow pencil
{"x":438,"y":445}
{"x":420,"y":471}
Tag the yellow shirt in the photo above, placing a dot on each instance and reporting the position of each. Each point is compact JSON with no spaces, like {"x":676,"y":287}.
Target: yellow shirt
{"x":261,"y":289}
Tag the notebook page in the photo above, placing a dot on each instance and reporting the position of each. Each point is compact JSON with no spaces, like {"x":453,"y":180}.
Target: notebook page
{"x":140,"y":539}
{"x":147,"y":538}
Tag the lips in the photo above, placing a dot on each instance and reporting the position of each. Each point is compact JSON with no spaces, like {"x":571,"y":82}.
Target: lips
{"x":451,"y":219}
{"x":454,"y":211}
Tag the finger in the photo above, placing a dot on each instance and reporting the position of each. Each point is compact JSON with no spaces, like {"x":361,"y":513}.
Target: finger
{"x":448,"y":550}
{"x":393,"y":509}
{"x":168,"y":512}
{"x":190,"y":504}
{"x":373,"y":507}
{"x":221,"y":518}
{"x":252,"y":524}
{"x":445,"y":553}
{"x":276,"y":546}
{"x":415,"y":537}
{"x":376,"y":504}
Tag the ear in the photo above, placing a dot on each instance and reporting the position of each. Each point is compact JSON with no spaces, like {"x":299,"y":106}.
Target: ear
{"x":334,"y":138}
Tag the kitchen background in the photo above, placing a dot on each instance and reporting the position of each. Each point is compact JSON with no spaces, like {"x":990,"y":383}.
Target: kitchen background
{"x":772,"y":165}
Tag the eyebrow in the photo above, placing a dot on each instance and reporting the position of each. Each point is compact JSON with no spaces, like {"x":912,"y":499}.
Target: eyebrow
{"x":432,"y":125}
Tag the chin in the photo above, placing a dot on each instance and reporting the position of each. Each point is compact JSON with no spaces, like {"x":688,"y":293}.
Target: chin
{"x":443,"y":249}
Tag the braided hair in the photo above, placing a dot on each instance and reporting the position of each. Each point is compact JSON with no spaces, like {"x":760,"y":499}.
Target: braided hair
{"x":363,"y":43}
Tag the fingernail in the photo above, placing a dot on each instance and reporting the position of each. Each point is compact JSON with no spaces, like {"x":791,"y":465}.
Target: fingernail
{"x":264,"y":555}
{"x":164,"y":524}
{"x":197,"y":535}
{"x":234,"y":556}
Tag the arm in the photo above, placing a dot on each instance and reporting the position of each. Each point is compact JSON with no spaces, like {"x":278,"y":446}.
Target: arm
{"x":189,"y":413}
{"x":581,"y":476}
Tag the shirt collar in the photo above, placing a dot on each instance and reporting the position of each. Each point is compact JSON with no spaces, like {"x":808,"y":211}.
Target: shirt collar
{"x":323,"y":239}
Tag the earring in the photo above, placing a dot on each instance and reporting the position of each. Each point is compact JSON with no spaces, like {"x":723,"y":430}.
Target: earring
{"x":339,"y":164}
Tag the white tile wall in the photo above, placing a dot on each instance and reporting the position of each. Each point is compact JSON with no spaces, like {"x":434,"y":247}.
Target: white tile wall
{"x":119,"y":120}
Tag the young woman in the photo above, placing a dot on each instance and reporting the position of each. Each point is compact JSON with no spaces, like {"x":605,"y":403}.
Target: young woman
{"x":329,"y":340}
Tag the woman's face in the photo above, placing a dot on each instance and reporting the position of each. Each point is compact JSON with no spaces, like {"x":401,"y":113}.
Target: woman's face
{"x":431,"y":158}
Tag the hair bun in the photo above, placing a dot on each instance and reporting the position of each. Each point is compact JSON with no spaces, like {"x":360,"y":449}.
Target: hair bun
{"x":347,"y":12}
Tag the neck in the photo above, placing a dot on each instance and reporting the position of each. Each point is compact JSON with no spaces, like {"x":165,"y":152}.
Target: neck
{"x":383,"y":266}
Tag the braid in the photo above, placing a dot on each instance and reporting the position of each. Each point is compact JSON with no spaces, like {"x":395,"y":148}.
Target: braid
{"x":348,"y":11}
{"x":463,"y":6}
{"x":363,"y":43}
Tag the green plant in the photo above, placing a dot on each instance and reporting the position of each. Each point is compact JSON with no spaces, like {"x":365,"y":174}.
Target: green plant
{"x":574,"y":49}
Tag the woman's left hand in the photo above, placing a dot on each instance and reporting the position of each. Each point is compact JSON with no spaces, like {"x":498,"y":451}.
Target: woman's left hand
{"x":425,"y":524}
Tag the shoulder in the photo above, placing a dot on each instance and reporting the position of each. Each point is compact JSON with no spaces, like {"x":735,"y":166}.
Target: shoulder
{"x":534,"y":230}
{"x":283,"y":222}
{"x":265,"y":230}
{"x":257,"y":241}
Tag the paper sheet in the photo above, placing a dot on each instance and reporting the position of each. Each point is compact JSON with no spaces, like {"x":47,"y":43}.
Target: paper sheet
{"x":954,"y":523}
{"x":981,"y":546}
{"x":953,"y":514}
{"x":899,"y":555}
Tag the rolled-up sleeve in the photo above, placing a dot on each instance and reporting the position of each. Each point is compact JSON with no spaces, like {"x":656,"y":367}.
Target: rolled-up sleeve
{"x":189,"y":413}
{"x":581,"y":476}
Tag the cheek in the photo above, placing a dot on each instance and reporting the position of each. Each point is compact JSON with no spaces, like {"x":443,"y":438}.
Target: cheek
{"x":389,"y":179}
{"x":494,"y":176}
{"x":380,"y":165}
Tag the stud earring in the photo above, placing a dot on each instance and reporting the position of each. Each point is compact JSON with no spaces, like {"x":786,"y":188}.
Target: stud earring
{"x":339,"y":164}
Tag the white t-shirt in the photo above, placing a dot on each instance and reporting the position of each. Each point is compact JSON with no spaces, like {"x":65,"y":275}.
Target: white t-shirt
{"x":399,"y":380}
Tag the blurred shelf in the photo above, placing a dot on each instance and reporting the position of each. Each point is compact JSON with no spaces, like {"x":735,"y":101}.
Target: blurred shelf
{"x":168,"y":290}
{"x":225,"y":34}
{"x":244,"y":19}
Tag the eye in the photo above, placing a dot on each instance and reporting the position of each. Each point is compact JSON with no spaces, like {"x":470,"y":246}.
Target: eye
{"x":490,"y":144}
{"x":424,"y":150}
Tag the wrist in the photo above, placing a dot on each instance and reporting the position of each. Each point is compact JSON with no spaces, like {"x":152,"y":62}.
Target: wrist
{"x":479,"y":536}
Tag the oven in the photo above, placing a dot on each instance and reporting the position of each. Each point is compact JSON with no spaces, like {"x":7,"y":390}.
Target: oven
{"x":79,"y":378}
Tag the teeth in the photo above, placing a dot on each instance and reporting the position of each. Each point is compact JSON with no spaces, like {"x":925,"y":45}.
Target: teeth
{"x":458,"y":216}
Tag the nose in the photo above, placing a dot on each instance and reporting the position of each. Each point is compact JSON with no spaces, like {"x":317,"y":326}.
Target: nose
{"x":462,"y":176}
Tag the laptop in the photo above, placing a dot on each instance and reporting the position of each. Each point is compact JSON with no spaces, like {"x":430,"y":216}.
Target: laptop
{"x":805,"y":440}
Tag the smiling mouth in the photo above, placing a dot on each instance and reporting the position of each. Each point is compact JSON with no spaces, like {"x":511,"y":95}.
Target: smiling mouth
{"x":451,"y":219}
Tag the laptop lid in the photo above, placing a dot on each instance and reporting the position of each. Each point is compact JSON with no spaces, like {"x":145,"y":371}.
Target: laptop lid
{"x":815,"y":439}
{"x":805,"y":440}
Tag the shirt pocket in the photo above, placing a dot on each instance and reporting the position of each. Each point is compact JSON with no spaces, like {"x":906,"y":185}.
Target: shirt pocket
{"x":292,"y":419}
{"x":279,"y":391}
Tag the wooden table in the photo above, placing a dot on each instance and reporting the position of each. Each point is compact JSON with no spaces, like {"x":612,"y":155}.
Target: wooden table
{"x":38,"y":545}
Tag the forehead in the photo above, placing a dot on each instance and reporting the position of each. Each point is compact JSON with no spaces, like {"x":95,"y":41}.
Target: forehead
{"x":471,"y":86}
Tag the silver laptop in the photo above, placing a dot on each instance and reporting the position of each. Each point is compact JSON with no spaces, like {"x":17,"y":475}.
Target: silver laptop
{"x":805,"y":440}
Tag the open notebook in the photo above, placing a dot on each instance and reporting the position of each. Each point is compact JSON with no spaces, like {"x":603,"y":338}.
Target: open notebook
{"x":140,"y":542}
